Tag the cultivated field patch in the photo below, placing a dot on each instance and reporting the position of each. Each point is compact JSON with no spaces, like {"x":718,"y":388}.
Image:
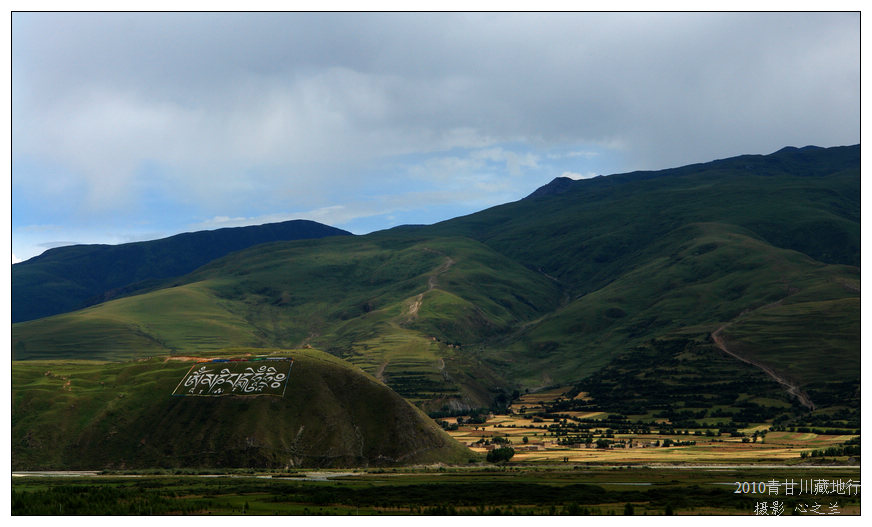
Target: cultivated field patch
{"x":540,"y":430}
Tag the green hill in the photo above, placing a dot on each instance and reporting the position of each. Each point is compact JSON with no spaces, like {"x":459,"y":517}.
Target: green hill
{"x":706,"y":276}
{"x":96,"y":415}
{"x":69,"y":278}
{"x":807,"y":200}
{"x":395,"y":306}
{"x":756,"y":254}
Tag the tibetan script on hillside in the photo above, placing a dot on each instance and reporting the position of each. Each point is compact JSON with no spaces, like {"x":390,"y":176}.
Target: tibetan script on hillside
{"x":261,"y":376}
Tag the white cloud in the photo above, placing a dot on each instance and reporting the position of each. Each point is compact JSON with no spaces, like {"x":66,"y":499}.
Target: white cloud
{"x":494,"y":171}
{"x":514,"y":162}
{"x":245,"y":115}
{"x":222,"y":221}
{"x":587,"y":154}
{"x":386,"y":206}
{"x":576,"y":175}
{"x":336,"y":215}
{"x":40,"y":228}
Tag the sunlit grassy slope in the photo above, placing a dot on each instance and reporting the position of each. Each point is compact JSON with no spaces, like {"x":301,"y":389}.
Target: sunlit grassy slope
{"x":176,"y":320}
{"x":397,"y":307}
{"x":545,"y":290}
{"x":94,"y":415}
{"x":69,"y":278}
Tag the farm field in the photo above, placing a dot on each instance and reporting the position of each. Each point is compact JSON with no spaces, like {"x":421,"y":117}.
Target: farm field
{"x":538,"y":436}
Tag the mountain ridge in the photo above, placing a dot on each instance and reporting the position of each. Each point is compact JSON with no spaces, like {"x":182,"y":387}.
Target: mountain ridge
{"x":72,"y":277}
{"x":558,"y":185}
{"x":540,"y":291}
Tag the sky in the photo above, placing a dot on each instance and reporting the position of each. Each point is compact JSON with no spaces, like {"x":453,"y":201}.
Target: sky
{"x":136,"y":126}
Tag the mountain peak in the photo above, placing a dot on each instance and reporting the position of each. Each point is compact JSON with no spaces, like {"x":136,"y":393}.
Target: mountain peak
{"x":558,"y":185}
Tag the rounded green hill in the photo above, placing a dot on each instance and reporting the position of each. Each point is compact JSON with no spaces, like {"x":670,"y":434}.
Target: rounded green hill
{"x":95,"y":415}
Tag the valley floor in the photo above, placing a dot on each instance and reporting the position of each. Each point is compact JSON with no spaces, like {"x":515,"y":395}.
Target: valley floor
{"x":588,"y":437}
{"x":474,"y":490}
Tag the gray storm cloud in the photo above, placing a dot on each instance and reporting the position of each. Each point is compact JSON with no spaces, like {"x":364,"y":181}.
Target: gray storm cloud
{"x":227,"y":107}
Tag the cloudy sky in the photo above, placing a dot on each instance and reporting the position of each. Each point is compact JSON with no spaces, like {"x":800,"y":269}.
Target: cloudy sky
{"x":128,"y":127}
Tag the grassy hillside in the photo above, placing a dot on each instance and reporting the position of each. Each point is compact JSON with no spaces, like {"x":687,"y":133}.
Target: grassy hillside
{"x":707,"y":276}
{"x":397,"y":307}
{"x":755,"y":257}
{"x":806,"y":200}
{"x":811,"y":343}
{"x":95,"y":415}
{"x":179,"y":320}
{"x":69,"y":278}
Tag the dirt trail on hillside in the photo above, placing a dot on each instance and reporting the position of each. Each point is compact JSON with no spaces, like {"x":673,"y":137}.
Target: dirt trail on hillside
{"x":432,"y":283}
{"x":792,"y":388}
{"x":380,"y":374}
{"x":415,"y":306}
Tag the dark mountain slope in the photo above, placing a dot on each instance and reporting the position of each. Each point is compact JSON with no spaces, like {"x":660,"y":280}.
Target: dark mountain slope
{"x":806,"y":200}
{"x":707,"y":276}
{"x":558,"y":185}
{"x":69,"y":278}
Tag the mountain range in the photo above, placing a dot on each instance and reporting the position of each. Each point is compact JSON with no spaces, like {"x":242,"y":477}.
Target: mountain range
{"x":752,"y":261}
{"x":72,"y":277}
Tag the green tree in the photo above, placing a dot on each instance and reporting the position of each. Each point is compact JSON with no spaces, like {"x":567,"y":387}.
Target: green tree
{"x":499,"y":455}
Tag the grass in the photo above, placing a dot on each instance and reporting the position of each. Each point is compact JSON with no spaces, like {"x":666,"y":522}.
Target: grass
{"x":602,"y":226}
{"x":94,"y":415}
{"x":687,"y":289}
{"x":351,"y":296}
{"x":537,"y":293}
{"x":793,"y":337}
{"x":69,"y":278}
{"x":470,"y":491}
{"x":178,"y":320}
